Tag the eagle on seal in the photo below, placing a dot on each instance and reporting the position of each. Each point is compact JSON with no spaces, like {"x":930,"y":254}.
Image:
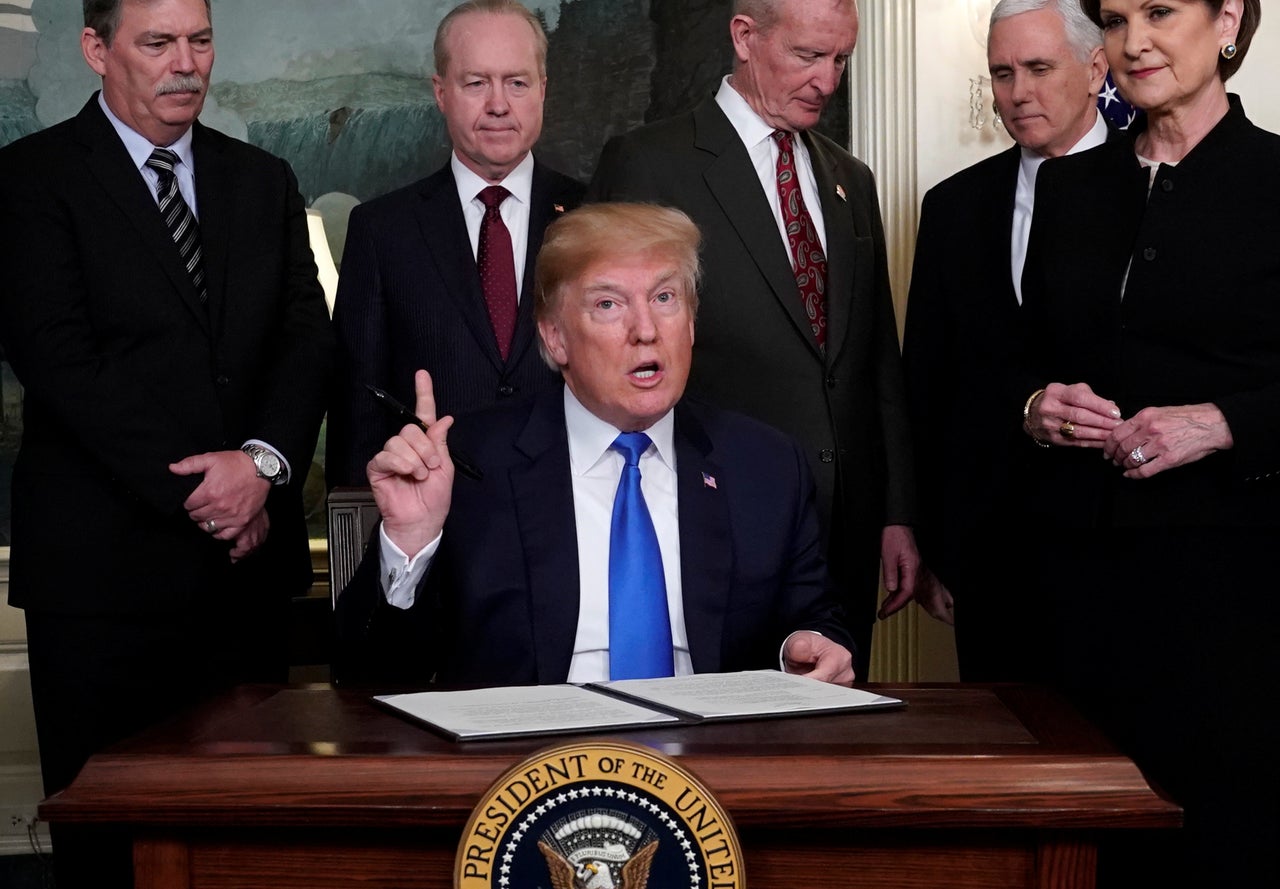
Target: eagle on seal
{"x":633,"y":874}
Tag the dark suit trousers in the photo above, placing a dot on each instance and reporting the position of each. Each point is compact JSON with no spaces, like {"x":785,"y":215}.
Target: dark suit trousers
{"x":1166,"y":639}
{"x":96,"y":680}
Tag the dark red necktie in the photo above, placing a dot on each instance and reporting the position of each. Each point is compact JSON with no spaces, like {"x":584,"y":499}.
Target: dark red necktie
{"x":808,"y":261}
{"x":497,"y":268}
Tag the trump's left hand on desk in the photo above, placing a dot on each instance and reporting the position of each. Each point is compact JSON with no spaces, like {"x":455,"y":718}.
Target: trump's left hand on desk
{"x":811,"y":654}
{"x":412,"y":476}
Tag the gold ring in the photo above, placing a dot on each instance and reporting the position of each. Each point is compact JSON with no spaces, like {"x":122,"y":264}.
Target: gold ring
{"x":1068,"y":429}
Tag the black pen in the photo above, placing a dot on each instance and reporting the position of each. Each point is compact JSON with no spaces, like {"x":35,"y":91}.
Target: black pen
{"x":384,"y":398}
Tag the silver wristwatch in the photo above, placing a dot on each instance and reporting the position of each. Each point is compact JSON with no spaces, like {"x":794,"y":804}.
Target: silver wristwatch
{"x":267,"y":463}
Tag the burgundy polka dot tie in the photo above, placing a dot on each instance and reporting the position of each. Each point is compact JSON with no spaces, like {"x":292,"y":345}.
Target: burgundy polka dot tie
{"x":808,"y":261}
{"x":497,"y":267}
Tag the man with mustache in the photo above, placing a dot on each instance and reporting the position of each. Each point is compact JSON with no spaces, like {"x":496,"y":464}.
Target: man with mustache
{"x":438,"y":275}
{"x":162,"y":312}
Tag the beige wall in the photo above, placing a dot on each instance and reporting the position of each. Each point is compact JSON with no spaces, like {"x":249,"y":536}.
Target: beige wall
{"x":1257,"y":78}
{"x":948,"y":55}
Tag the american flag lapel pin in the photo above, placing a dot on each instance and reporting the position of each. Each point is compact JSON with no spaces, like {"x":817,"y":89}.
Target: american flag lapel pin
{"x":840,"y":192}
{"x":709,"y":481}
{"x":559,"y":208}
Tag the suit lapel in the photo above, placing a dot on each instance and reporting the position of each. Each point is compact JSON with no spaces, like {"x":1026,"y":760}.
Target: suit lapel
{"x":542,"y":212}
{"x":730,"y":179}
{"x":999,"y":218}
{"x":215,"y":197}
{"x":111,"y":165}
{"x":542,"y":491}
{"x":445,"y":240}
{"x":850,"y":271}
{"x":706,"y":545}
{"x":1001,"y":209}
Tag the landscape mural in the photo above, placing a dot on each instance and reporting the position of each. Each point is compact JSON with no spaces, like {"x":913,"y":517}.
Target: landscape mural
{"x":342,"y":90}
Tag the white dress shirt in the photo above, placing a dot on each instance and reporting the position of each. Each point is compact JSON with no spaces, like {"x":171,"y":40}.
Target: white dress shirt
{"x":757,"y":136}
{"x":1025,"y":198}
{"x":514,"y":210}
{"x":595,"y":469}
{"x":140,"y":148}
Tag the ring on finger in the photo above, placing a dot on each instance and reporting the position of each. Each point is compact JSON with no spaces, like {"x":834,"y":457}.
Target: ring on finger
{"x":1067,"y":429}
{"x":1137,"y":456}
{"x":211,"y":526}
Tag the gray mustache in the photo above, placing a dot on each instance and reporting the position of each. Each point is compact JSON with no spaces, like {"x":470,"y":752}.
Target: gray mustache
{"x":183,"y":83}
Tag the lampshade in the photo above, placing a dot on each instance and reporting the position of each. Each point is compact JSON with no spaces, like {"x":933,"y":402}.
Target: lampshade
{"x":324,"y":259}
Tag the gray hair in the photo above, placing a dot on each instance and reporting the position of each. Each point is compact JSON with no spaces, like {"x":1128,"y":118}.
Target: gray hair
{"x":103,"y":17}
{"x":766,"y":13}
{"x":1083,"y":35}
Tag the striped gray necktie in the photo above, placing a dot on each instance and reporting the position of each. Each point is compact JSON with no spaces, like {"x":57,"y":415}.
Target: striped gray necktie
{"x":179,"y":218}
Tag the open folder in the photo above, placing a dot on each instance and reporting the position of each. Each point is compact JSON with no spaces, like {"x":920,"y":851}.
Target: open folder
{"x":628,"y":703}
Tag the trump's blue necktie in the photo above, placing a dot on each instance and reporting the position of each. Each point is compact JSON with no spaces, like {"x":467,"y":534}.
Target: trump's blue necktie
{"x":639,"y":626}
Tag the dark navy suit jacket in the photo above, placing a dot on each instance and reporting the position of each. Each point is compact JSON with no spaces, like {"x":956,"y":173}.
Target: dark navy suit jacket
{"x":500,"y":604}
{"x":409,"y":297}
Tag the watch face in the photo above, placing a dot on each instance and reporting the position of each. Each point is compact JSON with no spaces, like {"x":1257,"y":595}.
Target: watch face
{"x":268,"y":464}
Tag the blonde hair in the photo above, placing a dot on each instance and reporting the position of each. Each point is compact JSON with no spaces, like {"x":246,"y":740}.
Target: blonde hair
{"x":598,"y":232}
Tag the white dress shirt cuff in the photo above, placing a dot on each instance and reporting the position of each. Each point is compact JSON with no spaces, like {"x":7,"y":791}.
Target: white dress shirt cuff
{"x":401,"y":574}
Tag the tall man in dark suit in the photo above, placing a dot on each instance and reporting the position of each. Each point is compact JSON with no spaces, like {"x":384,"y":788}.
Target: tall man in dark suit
{"x":963,"y":333}
{"x":432,"y":276}
{"x":620,"y":530}
{"x":162,"y":312}
{"x":798,"y":325}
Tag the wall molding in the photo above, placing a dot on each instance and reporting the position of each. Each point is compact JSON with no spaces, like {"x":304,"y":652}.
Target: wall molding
{"x":884,"y":136}
{"x":883,"y":88}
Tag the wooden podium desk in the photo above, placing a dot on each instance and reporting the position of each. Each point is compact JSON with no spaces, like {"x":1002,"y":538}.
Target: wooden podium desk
{"x":313,"y":787}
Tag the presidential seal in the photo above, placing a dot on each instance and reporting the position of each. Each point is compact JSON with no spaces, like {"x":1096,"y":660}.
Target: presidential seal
{"x":609,"y":815}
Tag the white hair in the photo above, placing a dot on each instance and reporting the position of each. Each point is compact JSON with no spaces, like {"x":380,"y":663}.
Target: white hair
{"x":1083,"y":35}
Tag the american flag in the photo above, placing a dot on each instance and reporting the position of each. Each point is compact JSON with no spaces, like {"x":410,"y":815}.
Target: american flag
{"x":1118,"y":113}
{"x":708,"y":480}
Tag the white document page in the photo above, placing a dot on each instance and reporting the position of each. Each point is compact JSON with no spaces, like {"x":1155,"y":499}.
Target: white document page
{"x":522,"y":710}
{"x":753,"y":693}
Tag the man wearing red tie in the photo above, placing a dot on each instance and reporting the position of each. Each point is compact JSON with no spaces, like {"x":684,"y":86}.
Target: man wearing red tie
{"x":438,"y":274}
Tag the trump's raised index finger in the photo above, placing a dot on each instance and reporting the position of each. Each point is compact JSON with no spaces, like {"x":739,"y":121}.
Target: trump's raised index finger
{"x":424,"y":406}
